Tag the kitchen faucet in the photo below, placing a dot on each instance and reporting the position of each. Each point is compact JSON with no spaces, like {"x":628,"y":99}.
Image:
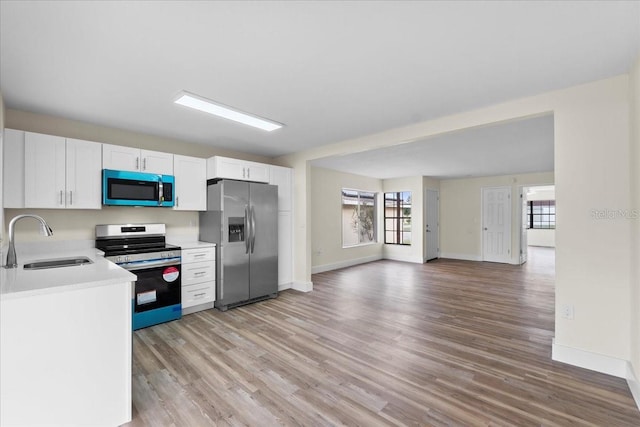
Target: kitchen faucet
{"x":12,"y":262}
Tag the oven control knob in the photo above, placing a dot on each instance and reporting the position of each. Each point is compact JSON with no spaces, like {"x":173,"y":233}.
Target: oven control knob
{"x":127,"y":258}
{"x":119,"y":259}
{"x":164,"y":255}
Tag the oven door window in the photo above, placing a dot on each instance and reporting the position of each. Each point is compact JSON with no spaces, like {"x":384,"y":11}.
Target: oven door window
{"x":157,"y":287}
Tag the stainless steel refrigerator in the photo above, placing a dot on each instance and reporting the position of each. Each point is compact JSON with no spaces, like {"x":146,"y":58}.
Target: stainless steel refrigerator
{"x":242,"y":219}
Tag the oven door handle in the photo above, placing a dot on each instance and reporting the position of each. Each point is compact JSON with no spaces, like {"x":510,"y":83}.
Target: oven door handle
{"x":141,"y":265}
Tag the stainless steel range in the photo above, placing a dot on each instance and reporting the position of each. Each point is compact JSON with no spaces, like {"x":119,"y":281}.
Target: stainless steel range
{"x":142,"y":249}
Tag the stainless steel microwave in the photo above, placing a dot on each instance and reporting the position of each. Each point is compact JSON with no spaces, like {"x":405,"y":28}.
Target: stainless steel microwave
{"x":124,"y":188}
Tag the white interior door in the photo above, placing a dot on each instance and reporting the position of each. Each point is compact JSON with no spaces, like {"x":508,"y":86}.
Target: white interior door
{"x":432,"y":221}
{"x":496,"y":224}
{"x":524,"y":217}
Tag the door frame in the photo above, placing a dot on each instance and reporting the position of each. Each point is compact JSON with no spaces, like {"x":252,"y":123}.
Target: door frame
{"x":523,"y":243}
{"x":425,"y":246}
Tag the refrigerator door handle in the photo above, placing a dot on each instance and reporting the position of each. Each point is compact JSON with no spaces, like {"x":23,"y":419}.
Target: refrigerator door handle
{"x":253,"y":228}
{"x":220,"y":285}
{"x":247,"y":230}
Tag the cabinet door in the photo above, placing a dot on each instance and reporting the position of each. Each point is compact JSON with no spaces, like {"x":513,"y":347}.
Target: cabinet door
{"x":44,"y":171}
{"x":285,"y":247}
{"x":224,"y":167}
{"x":120,"y":158}
{"x":156,"y":162}
{"x":258,"y":172}
{"x":84,"y":179}
{"x":191,"y":183}
{"x":13,"y":169}
{"x":281,"y":177}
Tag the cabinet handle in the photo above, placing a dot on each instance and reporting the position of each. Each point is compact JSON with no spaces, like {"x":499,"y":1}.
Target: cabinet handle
{"x":137,"y":163}
{"x":199,"y":273}
{"x":249,"y":173}
{"x":199,"y":255}
{"x":144,"y":164}
{"x":243,"y":173}
{"x":61,"y":200}
{"x":71,"y":197}
{"x":199,"y":295}
{"x":177,"y":201}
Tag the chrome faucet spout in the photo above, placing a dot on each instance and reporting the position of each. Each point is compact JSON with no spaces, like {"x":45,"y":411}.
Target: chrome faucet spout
{"x":12,"y":261}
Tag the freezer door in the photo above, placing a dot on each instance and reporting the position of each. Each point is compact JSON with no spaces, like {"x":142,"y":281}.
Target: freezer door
{"x":263,"y":271}
{"x":233,"y":284}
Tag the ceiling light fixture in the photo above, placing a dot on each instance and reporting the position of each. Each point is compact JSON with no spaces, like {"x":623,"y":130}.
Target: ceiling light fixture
{"x":203,"y":104}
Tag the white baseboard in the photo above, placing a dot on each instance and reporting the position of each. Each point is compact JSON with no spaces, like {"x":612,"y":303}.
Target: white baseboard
{"x":414,"y":259}
{"x":285,"y":286}
{"x":634,"y":384}
{"x":588,"y":360}
{"x":463,"y":257}
{"x":302,"y":286}
{"x":343,"y":264}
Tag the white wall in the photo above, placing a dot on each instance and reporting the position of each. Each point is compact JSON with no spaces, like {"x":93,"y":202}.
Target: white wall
{"x":634,"y":159}
{"x":80,"y":224}
{"x":461,"y":213}
{"x":541,"y":237}
{"x":326,"y":228}
{"x":592,"y":171}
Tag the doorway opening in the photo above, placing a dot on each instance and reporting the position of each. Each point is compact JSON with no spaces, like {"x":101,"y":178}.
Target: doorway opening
{"x":537,"y":219}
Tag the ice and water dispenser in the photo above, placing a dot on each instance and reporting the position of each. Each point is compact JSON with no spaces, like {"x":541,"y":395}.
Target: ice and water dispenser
{"x":236,"y":229}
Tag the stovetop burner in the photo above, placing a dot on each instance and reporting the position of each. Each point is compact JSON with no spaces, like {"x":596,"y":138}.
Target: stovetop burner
{"x":127,"y":239}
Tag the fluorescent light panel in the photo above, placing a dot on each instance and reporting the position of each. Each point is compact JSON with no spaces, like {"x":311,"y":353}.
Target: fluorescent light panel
{"x":203,"y":104}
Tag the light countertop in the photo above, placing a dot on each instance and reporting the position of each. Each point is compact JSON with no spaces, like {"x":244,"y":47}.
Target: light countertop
{"x":19,"y":283}
{"x":190,"y":244}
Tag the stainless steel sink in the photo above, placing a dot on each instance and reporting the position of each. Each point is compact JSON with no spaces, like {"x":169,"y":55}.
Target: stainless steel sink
{"x":57,"y":263}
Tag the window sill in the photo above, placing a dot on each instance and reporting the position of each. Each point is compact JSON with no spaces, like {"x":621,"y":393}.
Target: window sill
{"x":359,"y":245}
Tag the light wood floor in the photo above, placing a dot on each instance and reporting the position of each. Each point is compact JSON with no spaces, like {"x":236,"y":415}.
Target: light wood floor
{"x":448,"y":343}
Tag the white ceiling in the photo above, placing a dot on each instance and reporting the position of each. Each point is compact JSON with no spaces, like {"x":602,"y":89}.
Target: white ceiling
{"x":329,"y":71}
{"x":519,"y":146}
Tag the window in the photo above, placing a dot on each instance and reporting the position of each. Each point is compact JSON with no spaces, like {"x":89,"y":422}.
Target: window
{"x":542,"y":214}
{"x":358,"y":217}
{"x":397,"y":218}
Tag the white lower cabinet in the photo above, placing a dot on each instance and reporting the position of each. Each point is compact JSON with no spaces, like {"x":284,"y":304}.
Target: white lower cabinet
{"x":198,"y":279}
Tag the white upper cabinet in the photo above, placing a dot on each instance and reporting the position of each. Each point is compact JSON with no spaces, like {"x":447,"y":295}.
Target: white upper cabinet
{"x":121,"y":158}
{"x":282,"y":177}
{"x":225,"y":167}
{"x":156,"y":162}
{"x":191,"y":183}
{"x":61,"y":173}
{"x":44,"y":168}
{"x":13,"y":169}
{"x":84,"y":177}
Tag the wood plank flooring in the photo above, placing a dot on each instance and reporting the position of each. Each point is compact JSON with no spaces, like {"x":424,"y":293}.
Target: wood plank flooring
{"x":448,"y":343}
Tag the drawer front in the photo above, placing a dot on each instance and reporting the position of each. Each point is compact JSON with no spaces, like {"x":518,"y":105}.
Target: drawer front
{"x":198,"y":294}
{"x":198,"y":272}
{"x":197,"y":255}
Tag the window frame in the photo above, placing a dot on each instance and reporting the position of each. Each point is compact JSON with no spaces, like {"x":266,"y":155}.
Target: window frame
{"x":532,"y":223}
{"x":399,"y":218}
{"x":358,"y":204}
